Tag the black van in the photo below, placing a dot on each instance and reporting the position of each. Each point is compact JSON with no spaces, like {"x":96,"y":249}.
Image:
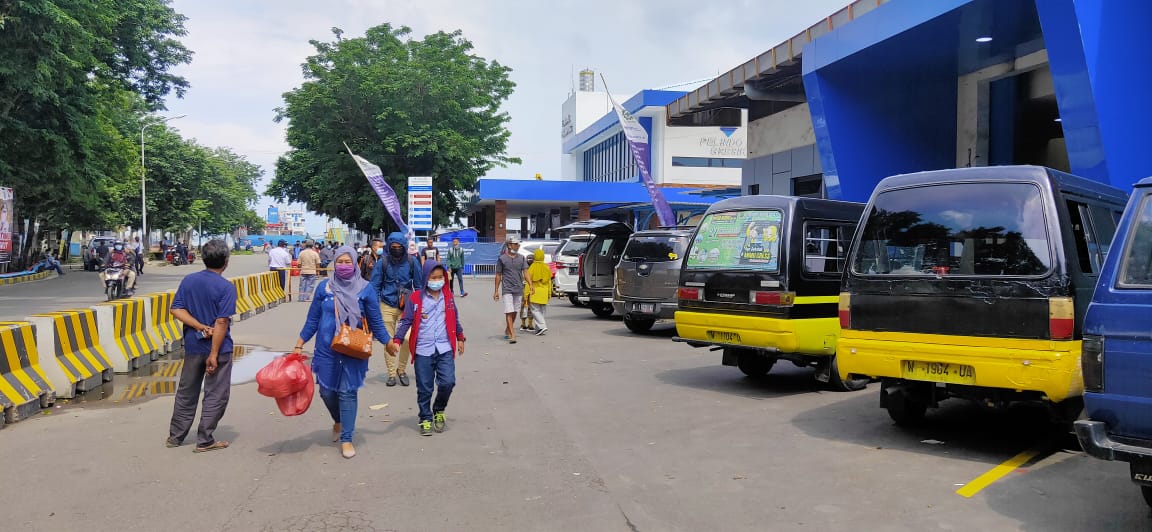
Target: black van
{"x":973,"y":283}
{"x":760,"y":281}
{"x":596,"y":281}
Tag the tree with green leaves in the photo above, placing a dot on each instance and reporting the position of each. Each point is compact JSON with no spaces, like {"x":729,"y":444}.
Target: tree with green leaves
{"x":413,"y":107}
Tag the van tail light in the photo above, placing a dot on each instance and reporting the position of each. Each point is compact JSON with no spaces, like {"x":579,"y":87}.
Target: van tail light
{"x":1092,"y":362}
{"x":580,"y":267}
{"x":1061,"y":318}
{"x":845,"y":310}
{"x":779,"y":299}
{"x":692,"y":294}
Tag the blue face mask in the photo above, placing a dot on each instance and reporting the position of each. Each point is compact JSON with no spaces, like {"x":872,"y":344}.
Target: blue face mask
{"x":435,"y":286}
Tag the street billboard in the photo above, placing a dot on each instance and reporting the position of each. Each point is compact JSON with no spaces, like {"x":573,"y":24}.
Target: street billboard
{"x":6,"y":211}
{"x":420,"y":203}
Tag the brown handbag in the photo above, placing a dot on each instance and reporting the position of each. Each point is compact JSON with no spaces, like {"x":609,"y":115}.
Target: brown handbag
{"x":355,"y":342}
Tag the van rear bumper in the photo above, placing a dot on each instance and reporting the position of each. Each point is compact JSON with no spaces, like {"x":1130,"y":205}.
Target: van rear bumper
{"x":1045,"y":366}
{"x":812,"y":336}
{"x":1093,"y":436}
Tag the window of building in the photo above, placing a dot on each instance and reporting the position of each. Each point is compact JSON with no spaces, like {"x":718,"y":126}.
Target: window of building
{"x":753,"y":190}
{"x":610,"y":161}
{"x":809,"y":186}
{"x":707,"y":162}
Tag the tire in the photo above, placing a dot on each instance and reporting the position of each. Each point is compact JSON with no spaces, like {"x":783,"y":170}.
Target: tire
{"x":841,"y":385}
{"x":639,"y":325}
{"x":754,"y":365}
{"x":575,"y":301}
{"x":602,"y":310}
{"x":1146,"y":491}
{"x":906,"y":411}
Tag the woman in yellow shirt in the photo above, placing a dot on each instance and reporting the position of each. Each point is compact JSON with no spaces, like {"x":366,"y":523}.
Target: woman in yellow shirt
{"x":541,"y":276}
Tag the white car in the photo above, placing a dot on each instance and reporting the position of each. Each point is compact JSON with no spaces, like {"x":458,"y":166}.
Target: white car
{"x":528,"y":248}
{"x":567,"y":259}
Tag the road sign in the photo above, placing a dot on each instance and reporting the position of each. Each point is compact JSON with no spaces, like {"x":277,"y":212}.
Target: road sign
{"x":420,"y":203}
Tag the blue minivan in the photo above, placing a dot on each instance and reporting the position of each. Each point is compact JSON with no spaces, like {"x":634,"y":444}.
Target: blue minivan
{"x":1117,"y":349}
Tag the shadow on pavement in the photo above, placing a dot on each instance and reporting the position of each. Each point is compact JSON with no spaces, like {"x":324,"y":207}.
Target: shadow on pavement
{"x":658,"y":333}
{"x":1071,"y":491}
{"x":958,"y":429}
{"x":781,"y":382}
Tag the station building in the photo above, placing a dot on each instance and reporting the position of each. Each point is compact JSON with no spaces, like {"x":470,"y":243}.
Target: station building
{"x":884,"y":87}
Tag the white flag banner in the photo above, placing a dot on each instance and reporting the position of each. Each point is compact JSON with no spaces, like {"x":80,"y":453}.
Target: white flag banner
{"x":638,"y":143}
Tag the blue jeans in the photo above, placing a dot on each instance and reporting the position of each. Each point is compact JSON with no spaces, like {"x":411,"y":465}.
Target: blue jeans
{"x":307,"y":286}
{"x":458,"y":274}
{"x":342,"y":406}
{"x":440,"y":369}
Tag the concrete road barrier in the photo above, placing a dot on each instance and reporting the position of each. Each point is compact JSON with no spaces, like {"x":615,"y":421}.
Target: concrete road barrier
{"x":255,"y":295}
{"x":165,"y":327}
{"x":70,"y":338}
{"x":124,"y":334}
{"x":273,"y":290}
{"x":243,"y":305}
{"x":24,"y":389}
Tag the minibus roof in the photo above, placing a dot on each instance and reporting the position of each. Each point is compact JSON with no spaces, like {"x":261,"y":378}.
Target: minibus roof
{"x":1037,"y":174}
{"x":814,"y":207}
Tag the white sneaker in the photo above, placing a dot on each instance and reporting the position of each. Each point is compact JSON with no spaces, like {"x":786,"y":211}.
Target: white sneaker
{"x":541,"y":332}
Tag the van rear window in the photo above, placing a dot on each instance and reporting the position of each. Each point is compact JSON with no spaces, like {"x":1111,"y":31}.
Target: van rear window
{"x":741,"y":240}
{"x":981,"y":229}
{"x":1136,"y":268}
{"x":574,"y":248}
{"x":654,"y":248}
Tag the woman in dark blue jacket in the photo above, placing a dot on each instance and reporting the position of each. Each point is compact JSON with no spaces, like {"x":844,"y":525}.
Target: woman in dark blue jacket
{"x":340,"y":376}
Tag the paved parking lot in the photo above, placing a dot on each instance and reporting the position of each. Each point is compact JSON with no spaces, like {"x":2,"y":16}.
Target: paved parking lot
{"x":588,"y":428}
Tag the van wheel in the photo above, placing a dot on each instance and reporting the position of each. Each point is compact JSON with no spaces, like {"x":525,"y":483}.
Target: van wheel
{"x":754,"y":365}
{"x":906,"y":411}
{"x":845,"y":385}
{"x":1146,"y":491}
{"x":575,"y":302}
{"x":602,"y":310}
{"x":638,"y":325}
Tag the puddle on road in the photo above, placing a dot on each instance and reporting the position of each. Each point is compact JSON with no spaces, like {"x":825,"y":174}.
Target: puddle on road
{"x":160,"y":377}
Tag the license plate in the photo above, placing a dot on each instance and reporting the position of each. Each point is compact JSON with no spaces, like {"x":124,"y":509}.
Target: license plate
{"x":1141,"y":472}
{"x":939,"y":372}
{"x":724,"y":336}
{"x":644,"y":308}
{"x":573,"y":270}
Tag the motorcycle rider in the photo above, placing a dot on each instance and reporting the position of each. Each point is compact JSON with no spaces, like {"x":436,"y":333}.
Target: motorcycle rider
{"x":118,"y":258}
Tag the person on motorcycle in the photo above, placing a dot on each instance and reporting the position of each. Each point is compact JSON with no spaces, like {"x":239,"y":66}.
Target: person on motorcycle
{"x":181,"y":253}
{"x":118,"y":258}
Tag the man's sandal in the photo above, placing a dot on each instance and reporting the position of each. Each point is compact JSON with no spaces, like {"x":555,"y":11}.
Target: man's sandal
{"x":220,"y":444}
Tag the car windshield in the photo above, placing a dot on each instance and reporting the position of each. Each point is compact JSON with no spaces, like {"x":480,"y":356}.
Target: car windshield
{"x":574,"y":248}
{"x":550,"y":249}
{"x":986,"y":229}
{"x":1136,"y":268}
{"x":654,"y":248}
{"x":740,"y":240}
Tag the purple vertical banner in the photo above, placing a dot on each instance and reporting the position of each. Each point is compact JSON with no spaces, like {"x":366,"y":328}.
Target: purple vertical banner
{"x":638,"y":143}
{"x":383,"y":191}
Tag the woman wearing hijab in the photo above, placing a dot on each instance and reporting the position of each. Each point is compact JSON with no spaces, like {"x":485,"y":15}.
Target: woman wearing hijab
{"x":541,"y":276}
{"x":340,"y":376}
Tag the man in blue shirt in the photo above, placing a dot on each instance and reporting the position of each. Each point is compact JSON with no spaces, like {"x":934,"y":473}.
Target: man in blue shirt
{"x":395,"y":276}
{"x":204,"y":303}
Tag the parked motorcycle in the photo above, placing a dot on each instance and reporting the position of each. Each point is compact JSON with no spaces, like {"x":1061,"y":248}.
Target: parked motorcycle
{"x":114,"y":279}
{"x":176,"y":259}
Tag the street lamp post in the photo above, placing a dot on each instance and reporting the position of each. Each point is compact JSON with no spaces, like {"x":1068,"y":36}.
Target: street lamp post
{"x":143,"y":176}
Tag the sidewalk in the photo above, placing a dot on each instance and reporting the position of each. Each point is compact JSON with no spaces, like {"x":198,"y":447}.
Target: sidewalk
{"x":503,"y":464}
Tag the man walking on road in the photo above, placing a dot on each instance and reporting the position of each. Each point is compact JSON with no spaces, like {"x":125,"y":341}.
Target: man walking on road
{"x":204,"y":303}
{"x":279,"y":260}
{"x":395,"y":277}
{"x":456,"y":266}
{"x":511,"y":280}
{"x":309,"y":267}
{"x":138,"y":249}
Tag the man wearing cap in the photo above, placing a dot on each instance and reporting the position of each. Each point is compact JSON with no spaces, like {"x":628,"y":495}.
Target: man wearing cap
{"x":511,"y":278}
{"x":309,"y":267}
{"x":279,"y":260}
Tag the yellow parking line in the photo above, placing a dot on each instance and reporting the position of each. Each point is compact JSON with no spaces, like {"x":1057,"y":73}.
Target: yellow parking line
{"x":998,"y":472}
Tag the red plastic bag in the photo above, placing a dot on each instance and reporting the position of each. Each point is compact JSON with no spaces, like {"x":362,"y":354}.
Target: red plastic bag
{"x":298,"y":403}
{"x":283,"y":376}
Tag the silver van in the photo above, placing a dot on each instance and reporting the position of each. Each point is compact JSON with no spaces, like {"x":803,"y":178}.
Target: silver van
{"x":596,"y":271}
{"x":647,"y":277}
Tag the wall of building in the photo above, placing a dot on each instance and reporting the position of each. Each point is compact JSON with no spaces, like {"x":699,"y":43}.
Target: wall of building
{"x":790,"y":128}
{"x":774,"y":173}
{"x":683,"y":152}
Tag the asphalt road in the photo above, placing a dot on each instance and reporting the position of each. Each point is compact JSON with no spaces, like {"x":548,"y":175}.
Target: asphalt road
{"x":81,"y":289}
{"x":588,"y":428}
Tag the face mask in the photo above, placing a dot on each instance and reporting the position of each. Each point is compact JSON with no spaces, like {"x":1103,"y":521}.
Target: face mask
{"x":380,"y":252}
{"x":119,"y":248}
{"x":345,"y":271}
{"x":396,"y":252}
{"x":435,"y":286}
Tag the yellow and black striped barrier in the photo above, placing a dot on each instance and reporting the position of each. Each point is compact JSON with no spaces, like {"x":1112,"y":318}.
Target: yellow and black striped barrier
{"x":255,"y":295}
{"x":17,"y":279}
{"x":71,"y":338}
{"x":273,"y":291}
{"x":164,"y":326}
{"x":243,"y":306}
{"x":124,"y":333}
{"x":24,"y":389}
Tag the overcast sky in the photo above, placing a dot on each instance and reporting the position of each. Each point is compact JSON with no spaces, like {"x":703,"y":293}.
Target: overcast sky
{"x":248,"y":53}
